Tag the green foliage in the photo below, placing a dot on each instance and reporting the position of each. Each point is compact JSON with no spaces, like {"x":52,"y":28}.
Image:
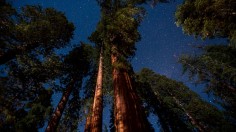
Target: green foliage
{"x":40,"y":108}
{"x":46,"y":26}
{"x":173,"y":102}
{"x":79,"y":61}
{"x":32,"y":36}
{"x":122,"y":28}
{"x":208,"y":18}
{"x":20,"y":116}
{"x":33,"y":29}
{"x":216,"y":67}
{"x":118,"y":26}
{"x":154,"y":92}
{"x":77,"y":65}
{"x":25,"y":103}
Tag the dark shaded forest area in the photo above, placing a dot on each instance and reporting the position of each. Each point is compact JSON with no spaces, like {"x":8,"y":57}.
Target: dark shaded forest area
{"x":94,"y":75}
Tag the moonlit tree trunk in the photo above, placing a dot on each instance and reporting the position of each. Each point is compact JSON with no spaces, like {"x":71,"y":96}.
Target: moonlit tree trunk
{"x":88,"y":123}
{"x":96,"y":119}
{"x":127,"y":109}
{"x":54,"y":121}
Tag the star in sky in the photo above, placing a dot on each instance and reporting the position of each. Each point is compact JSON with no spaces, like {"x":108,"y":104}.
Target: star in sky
{"x":162,"y":41}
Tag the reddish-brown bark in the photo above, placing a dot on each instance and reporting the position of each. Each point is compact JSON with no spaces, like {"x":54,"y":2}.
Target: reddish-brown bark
{"x":129,"y":116}
{"x":96,"y":119}
{"x":53,"y":123}
{"x":88,"y":124}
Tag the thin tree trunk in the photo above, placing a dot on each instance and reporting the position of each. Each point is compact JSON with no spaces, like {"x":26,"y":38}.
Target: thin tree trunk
{"x":200,"y":127}
{"x":194,"y":122}
{"x":54,"y":121}
{"x":128,"y":114}
{"x":96,"y":119}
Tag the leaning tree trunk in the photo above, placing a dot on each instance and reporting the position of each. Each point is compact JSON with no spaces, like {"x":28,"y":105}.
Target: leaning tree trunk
{"x":193,"y":121}
{"x":96,"y":118}
{"x":54,"y":121}
{"x":128,"y":113}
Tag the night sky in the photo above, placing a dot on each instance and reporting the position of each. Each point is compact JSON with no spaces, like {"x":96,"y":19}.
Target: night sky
{"x":161,"y":44}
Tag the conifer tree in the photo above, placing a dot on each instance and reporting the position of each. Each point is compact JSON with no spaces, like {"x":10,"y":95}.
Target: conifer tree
{"x":94,"y":121}
{"x":216,"y":68}
{"x":32,"y":29}
{"x":179,"y":108}
{"x":77,"y":64}
{"x":25,"y":101}
{"x":118,"y":32}
{"x":208,"y":18}
{"x":119,"y":29}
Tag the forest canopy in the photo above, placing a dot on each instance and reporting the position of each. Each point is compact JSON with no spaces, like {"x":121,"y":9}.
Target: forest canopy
{"x":49,"y":82}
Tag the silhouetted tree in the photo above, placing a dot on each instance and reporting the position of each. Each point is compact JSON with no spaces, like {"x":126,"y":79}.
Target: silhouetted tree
{"x":31,"y":29}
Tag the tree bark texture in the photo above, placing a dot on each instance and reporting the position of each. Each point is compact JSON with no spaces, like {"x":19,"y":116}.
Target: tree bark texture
{"x":54,"y":121}
{"x":96,"y":119}
{"x":88,"y":123}
{"x":128,"y":113}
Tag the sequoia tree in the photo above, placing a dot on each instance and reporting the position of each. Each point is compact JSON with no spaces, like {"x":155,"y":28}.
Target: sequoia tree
{"x":94,"y":123}
{"x":120,"y":21}
{"x":118,"y":30}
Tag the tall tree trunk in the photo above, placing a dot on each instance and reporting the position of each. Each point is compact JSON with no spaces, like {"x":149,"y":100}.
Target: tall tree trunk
{"x":96,"y":120}
{"x":129,"y":116}
{"x":54,"y":121}
{"x":88,"y":123}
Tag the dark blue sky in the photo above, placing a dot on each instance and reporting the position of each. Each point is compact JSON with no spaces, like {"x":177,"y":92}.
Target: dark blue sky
{"x":162,"y":42}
